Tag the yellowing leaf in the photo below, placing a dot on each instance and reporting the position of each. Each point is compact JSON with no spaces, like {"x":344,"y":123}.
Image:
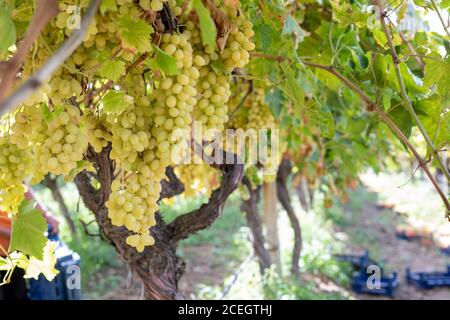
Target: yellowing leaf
{"x":135,"y":34}
{"x":46,"y":265}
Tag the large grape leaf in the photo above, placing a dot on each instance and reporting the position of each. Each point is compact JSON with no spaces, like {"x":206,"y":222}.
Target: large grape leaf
{"x":135,"y":34}
{"x":436,"y":73}
{"x":265,"y":37}
{"x":435,"y":123}
{"x":28,"y":228}
{"x":7,"y":30}
{"x":291,"y":27}
{"x":402,"y":119}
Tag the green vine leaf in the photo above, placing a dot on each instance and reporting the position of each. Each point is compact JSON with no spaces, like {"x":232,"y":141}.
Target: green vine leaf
{"x":116,"y":101}
{"x":7,"y":30}
{"x":28,"y":228}
{"x":208,"y":30}
{"x":166,"y":63}
{"x":135,"y":34}
{"x":112,"y":70}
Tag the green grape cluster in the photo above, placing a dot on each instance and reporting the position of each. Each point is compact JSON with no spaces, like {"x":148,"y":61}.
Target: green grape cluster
{"x":259,"y":114}
{"x":130,"y":134}
{"x":133,"y":204}
{"x":63,"y":87}
{"x":175,"y":98}
{"x":97,"y":134}
{"x":239,"y":44}
{"x":62,"y":142}
{"x":26,"y":121}
{"x":198,"y":178}
{"x":214,"y":92}
{"x":15,"y":166}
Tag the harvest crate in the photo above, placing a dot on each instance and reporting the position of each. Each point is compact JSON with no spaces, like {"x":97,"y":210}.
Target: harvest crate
{"x":386,"y":287}
{"x":428,"y":280}
{"x":357,"y":261}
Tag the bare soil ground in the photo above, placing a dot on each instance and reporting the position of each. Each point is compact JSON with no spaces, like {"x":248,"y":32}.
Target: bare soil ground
{"x":375,"y":227}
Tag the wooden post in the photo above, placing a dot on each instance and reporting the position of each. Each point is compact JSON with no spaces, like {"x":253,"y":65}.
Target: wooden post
{"x":271,"y":222}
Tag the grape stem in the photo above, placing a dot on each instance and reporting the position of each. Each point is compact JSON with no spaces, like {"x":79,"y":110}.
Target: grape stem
{"x":433,"y":3}
{"x":61,"y":55}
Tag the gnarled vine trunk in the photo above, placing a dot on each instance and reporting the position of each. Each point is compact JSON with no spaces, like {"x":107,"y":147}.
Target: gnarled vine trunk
{"x":250,"y":207}
{"x":283,"y":196}
{"x":159,"y":267}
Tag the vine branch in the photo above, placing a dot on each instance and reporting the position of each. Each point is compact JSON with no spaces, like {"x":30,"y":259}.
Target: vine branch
{"x":433,"y":4}
{"x":388,"y":121}
{"x":407,"y":100}
{"x":45,"y":11}
{"x":203,"y":217}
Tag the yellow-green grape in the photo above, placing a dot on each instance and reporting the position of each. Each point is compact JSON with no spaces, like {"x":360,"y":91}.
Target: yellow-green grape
{"x":63,"y":143}
{"x":212,"y":109}
{"x":133,"y":204}
{"x":259,"y":114}
{"x":11,"y":196}
{"x":97,"y":133}
{"x":155,"y":5}
{"x":198,"y":178}
{"x":130,"y":135}
{"x":26,"y":121}
{"x":140,"y":241}
{"x":15,"y":166}
{"x":175,"y":99}
{"x":239,"y":44}
{"x":63,"y":87}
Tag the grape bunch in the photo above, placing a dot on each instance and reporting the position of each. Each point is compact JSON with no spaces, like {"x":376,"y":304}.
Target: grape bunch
{"x":133,"y":204}
{"x":63,"y":87}
{"x":175,"y":98}
{"x":198,"y":178}
{"x":62,"y":142}
{"x":15,"y":166}
{"x":236,"y":53}
{"x":98,"y":135}
{"x":130,"y":135}
{"x":259,"y":114}
{"x":26,"y":121}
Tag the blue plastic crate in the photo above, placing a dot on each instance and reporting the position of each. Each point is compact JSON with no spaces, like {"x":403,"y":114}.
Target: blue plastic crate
{"x":358,"y":262}
{"x":445,"y":250}
{"x":386,"y":287}
{"x":42,"y":289}
{"x":428,"y":280}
